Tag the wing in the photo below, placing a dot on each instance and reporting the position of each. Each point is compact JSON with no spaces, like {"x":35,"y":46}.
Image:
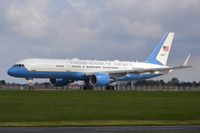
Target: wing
{"x":149,"y":71}
{"x":162,"y":70}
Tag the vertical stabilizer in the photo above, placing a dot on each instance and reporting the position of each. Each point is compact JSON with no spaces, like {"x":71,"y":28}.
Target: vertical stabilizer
{"x":162,"y":50}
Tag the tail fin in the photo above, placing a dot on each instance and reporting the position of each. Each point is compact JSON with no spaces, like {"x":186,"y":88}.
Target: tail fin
{"x":162,"y":50}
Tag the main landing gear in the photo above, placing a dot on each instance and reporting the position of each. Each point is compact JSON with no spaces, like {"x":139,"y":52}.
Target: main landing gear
{"x":90,"y":87}
{"x":110,"y":87}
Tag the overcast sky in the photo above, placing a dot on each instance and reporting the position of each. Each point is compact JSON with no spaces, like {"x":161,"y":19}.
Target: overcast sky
{"x":99,"y":29}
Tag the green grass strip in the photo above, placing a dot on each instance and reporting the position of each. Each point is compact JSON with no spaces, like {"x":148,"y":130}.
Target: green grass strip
{"x":98,"y":108}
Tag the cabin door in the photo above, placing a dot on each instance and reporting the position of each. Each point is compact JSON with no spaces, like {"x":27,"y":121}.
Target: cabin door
{"x":33,"y":67}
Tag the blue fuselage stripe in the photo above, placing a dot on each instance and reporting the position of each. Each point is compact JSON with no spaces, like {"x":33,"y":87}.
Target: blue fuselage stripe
{"x":24,"y":73}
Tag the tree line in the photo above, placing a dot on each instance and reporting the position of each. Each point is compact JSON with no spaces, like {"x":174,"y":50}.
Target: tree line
{"x":172,"y":82}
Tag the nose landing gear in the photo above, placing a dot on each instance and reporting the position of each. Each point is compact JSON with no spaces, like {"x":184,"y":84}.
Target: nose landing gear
{"x":30,"y":84}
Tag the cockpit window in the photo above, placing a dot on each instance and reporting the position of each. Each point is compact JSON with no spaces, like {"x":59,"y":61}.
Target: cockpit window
{"x":18,"y":65}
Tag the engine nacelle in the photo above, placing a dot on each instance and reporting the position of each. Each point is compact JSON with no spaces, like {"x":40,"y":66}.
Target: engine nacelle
{"x":59,"y":82}
{"x":100,"y":79}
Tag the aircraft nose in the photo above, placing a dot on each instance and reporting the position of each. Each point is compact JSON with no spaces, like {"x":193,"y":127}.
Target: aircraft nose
{"x":14,"y":71}
{"x":11,"y":71}
{"x":17,"y":72}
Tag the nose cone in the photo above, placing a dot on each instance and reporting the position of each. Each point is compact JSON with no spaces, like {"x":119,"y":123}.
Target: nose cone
{"x":18,"y":72}
{"x":12,"y":71}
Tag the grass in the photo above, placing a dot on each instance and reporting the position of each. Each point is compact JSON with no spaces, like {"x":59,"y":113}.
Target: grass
{"x":98,"y":108}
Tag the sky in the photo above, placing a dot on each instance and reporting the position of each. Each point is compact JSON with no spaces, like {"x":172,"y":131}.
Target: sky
{"x":126,"y":30}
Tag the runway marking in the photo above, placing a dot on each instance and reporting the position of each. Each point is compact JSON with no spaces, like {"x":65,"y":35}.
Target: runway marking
{"x":102,"y":129}
{"x":20,"y":130}
{"x":141,"y":129}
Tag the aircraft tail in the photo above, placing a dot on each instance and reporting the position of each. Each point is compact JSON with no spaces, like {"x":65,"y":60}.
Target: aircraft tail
{"x":162,"y":50}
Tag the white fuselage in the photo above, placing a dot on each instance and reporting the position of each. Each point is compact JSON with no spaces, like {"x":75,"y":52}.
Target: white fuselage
{"x":85,"y":66}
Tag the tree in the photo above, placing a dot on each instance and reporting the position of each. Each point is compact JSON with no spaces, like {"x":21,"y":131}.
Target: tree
{"x":2,"y":82}
{"x":175,"y":81}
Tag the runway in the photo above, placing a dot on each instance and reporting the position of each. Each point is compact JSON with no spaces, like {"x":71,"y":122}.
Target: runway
{"x":122,"y":129}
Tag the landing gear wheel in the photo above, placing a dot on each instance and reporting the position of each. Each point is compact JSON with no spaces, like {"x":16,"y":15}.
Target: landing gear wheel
{"x":88,"y":87}
{"x":109,"y":87}
{"x":30,"y":87}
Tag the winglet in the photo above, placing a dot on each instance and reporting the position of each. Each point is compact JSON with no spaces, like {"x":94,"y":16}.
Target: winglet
{"x":186,"y":60}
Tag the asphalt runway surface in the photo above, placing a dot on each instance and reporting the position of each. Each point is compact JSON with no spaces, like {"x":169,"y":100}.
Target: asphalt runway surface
{"x":119,"y":129}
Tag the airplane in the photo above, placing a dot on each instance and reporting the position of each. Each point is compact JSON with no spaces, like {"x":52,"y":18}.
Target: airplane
{"x":61,"y":72}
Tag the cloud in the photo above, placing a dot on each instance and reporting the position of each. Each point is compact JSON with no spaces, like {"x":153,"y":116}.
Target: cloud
{"x":28,"y":18}
{"x":140,"y":29}
{"x":100,"y":29}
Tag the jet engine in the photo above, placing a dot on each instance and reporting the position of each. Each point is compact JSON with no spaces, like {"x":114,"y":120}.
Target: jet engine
{"x":100,"y":79}
{"x":59,"y":82}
